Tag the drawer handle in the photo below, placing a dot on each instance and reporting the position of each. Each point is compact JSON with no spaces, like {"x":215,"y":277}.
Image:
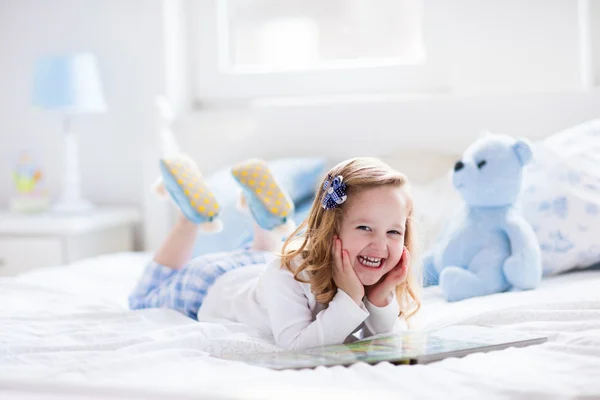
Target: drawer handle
{"x":2,"y":262}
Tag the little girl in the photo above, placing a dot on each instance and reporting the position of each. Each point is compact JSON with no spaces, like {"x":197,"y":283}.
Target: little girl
{"x":345,"y":273}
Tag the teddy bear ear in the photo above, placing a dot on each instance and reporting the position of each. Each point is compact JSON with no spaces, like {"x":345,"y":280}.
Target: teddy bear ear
{"x":524,"y":150}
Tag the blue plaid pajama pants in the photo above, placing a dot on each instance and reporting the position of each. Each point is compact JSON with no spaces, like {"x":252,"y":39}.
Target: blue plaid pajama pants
{"x":184,"y":289}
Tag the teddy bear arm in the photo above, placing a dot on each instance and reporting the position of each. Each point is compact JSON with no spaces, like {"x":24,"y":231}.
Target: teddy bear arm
{"x":458,"y":284}
{"x":520,"y":235}
{"x":483,"y":276}
{"x":523,"y":269}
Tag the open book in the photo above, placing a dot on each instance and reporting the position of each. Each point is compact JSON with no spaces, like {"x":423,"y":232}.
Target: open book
{"x":410,"y":347}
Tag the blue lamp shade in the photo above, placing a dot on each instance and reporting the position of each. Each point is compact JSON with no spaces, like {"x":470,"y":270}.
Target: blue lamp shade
{"x":69,"y":84}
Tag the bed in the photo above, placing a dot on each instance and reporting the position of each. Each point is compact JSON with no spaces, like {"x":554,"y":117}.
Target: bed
{"x":66,"y":331}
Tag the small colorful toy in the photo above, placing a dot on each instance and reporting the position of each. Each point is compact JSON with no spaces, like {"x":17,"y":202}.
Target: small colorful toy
{"x":30,"y":195}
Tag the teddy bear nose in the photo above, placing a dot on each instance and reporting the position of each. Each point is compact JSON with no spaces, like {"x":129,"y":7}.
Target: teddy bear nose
{"x":458,"y":166}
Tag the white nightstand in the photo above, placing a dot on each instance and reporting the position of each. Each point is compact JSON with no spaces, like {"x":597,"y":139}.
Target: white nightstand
{"x":41,"y":240}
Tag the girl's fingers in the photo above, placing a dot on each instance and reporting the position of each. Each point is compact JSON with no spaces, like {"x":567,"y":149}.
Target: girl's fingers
{"x":405,"y":261}
{"x":347,"y":264}
{"x":337,"y":256}
{"x":401,"y":269}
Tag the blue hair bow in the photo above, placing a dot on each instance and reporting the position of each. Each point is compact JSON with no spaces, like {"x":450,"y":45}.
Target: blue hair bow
{"x":335,"y":192}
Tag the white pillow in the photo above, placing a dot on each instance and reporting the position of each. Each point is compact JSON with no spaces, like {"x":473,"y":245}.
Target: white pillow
{"x":561,"y":198}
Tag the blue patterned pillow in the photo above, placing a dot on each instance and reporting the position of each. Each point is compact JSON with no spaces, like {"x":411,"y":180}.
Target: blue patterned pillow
{"x":561,"y":198}
{"x":299,"y":176}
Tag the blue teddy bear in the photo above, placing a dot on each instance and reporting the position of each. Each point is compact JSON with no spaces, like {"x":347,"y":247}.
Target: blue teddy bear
{"x":489,"y":247}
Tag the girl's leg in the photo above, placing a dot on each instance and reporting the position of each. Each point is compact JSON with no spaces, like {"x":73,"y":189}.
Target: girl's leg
{"x":267,"y":202}
{"x":184,"y":289}
{"x":177,"y":248}
{"x":164,"y":282}
{"x":197,"y":209}
{"x":172,"y":280}
{"x":265,"y":240}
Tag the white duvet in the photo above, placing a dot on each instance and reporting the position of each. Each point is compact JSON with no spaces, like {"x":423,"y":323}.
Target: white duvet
{"x":67,"y":329}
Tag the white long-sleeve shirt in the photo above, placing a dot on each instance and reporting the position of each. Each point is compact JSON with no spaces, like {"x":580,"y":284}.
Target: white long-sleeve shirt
{"x":268,"y":298}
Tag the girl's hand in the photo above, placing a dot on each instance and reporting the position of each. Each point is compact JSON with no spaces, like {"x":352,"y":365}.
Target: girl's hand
{"x":344,"y":275}
{"x":378,"y":293}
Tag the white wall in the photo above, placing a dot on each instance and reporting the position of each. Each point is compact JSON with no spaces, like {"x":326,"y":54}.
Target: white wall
{"x":506,"y":46}
{"x":141,"y":54}
{"x":595,"y":36}
{"x":126,"y":36}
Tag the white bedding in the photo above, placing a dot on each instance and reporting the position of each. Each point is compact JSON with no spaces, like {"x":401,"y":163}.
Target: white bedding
{"x":68,"y":327}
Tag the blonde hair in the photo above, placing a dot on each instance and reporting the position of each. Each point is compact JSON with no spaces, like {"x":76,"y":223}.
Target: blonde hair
{"x":313,"y":239}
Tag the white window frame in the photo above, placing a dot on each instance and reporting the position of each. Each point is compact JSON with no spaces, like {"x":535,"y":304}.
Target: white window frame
{"x":214,"y":82}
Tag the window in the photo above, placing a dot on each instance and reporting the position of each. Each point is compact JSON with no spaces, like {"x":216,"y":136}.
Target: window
{"x":254,"y":48}
{"x":271,"y":35}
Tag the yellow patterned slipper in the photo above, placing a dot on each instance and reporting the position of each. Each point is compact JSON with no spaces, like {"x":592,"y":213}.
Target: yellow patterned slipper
{"x":268,"y":202}
{"x":182,"y":180}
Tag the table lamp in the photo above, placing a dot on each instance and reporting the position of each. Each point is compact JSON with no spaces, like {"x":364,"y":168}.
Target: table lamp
{"x":69,"y":85}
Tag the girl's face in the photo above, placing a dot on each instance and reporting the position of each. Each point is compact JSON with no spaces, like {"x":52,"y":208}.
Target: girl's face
{"x":372,"y":231}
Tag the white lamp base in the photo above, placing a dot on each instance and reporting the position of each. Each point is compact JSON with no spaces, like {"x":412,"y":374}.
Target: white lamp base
{"x":71,"y":207}
{"x":26,"y":204}
{"x":71,"y":200}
